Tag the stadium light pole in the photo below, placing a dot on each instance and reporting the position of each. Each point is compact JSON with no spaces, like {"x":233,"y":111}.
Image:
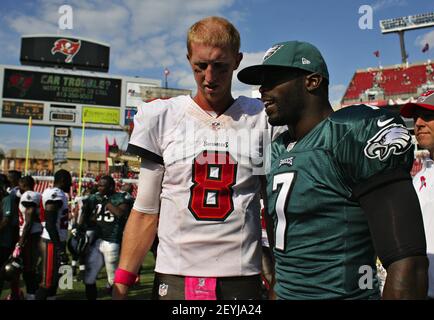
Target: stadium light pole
{"x":402,"y":24}
{"x":404,"y":54}
{"x":29,"y":129}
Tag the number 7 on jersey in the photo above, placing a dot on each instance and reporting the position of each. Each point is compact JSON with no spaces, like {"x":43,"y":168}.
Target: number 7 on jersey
{"x":285,"y":180}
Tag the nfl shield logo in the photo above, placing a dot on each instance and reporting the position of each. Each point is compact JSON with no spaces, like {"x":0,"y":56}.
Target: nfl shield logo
{"x":216,"y":125}
{"x":201,"y":282}
{"x":162,"y":290}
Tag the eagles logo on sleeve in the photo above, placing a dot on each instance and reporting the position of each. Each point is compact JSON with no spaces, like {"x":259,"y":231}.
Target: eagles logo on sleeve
{"x":392,"y":139}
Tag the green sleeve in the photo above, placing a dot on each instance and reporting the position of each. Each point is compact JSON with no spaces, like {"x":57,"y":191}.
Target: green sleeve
{"x":379,"y":144}
{"x":7,"y":206}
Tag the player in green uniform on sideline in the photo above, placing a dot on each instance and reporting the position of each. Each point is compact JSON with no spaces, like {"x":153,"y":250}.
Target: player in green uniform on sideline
{"x":339,"y":187}
{"x":106,"y":212}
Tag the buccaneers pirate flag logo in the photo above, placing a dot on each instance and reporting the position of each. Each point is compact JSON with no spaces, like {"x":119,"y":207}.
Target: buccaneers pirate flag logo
{"x":67,"y":47}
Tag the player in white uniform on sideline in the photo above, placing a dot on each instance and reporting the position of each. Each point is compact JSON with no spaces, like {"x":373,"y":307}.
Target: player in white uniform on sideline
{"x":54,"y":218}
{"x":199,"y":181}
{"x":422,"y":111}
{"x":30,"y":226}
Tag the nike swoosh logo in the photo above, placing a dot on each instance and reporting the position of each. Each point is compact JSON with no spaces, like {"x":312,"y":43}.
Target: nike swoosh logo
{"x":383,"y":123}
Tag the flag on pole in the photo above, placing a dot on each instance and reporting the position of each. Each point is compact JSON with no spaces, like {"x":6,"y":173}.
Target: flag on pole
{"x":425,"y":48}
{"x":377,"y":53}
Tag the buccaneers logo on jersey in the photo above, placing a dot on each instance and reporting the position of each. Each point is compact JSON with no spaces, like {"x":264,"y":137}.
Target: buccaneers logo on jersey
{"x":393,"y":139}
{"x":67,"y":47}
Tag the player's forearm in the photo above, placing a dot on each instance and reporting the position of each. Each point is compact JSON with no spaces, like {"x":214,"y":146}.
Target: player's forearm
{"x":4,"y":222}
{"x":407,"y":279}
{"x":50,"y":225}
{"x":25,"y":235}
{"x":138,"y":237}
{"x":30,"y":212}
{"x":118,"y":211}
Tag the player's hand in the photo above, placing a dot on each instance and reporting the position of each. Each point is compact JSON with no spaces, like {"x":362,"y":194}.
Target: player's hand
{"x":17,"y":251}
{"x":119,"y":291}
{"x":64,"y":259}
{"x":80,"y":275}
{"x":74,"y":232}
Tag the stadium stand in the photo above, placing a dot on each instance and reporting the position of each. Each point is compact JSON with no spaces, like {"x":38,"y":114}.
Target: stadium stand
{"x":397,"y":83}
{"x":391,"y":87}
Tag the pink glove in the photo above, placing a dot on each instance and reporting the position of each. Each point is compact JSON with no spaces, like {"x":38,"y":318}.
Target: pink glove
{"x":17,"y":252}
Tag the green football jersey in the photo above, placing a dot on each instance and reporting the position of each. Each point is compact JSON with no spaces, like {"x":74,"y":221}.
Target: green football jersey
{"x":109,"y":226}
{"x":6,"y":233}
{"x":322,"y":241}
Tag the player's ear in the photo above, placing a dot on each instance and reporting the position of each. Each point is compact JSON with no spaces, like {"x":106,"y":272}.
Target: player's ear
{"x":313,"y":81}
{"x":238,"y":59}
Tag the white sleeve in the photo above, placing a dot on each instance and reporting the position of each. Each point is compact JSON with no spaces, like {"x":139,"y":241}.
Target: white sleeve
{"x":145,"y":138}
{"x":30,"y":197}
{"x":149,"y":187}
{"x":51,"y":194}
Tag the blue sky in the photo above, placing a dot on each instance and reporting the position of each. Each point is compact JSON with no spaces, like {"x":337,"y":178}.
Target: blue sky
{"x":147,"y":35}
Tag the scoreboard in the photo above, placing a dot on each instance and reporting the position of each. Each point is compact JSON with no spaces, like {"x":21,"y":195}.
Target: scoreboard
{"x":53,"y":96}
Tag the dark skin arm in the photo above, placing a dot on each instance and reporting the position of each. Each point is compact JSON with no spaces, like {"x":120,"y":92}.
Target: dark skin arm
{"x":29,"y":218}
{"x":269,"y":224}
{"x":407,"y":279}
{"x":399,"y":210}
{"x":51,"y":210}
{"x":118,"y":211}
{"x":4,"y":222}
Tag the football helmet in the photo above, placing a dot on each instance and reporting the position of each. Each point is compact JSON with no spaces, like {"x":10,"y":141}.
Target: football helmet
{"x":77,"y":244}
{"x":12,"y":268}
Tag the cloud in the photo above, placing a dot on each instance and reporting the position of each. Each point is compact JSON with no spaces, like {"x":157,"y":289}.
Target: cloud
{"x":95,"y":140}
{"x":143,"y":34}
{"x":336,"y":92}
{"x":384,"y":4}
{"x":424,"y":39}
{"x":249,"y":59}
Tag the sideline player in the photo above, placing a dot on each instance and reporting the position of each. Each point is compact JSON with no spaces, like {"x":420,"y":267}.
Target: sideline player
{"x":9,"y":228}
{"x":30,"y":233}
{"x":196,"y":183}
{"x":54,"y":219}
{"x":339,"y":189}
{"x":422,"y":111}
{"x":110,"y":210}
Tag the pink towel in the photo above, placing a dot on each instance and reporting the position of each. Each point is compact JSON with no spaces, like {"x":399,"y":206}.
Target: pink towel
{"x":200,"y":288}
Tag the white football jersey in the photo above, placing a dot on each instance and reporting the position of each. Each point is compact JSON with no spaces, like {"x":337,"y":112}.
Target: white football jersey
{"x":209,"y":212}
{"x":56,"y":194}
{"x":34,"y":198}
{"x":423,"y":183}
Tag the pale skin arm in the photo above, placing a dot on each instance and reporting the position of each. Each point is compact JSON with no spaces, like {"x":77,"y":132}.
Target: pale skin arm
{"x":139,"y":235}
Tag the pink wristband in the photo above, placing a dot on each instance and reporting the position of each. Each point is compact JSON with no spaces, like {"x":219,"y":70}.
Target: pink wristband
{"x":125,"y":277}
